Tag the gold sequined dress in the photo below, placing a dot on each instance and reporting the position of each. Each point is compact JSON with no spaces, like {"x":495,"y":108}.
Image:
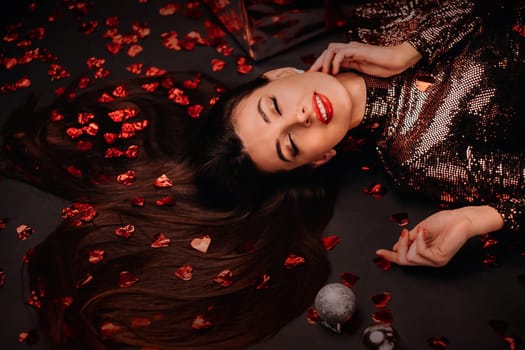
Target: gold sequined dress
{"x":453,"y":126}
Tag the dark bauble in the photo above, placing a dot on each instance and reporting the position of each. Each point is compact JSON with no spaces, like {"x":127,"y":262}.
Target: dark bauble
{"x":380,"y":336}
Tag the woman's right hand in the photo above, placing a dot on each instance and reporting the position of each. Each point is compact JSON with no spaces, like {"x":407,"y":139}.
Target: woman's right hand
{"x":380,"y":61}
{"x":436,"y":239}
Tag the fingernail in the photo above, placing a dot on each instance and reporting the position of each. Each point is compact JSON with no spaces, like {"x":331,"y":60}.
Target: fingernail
{"x":299,"y":70}
{"x":404,"y":233}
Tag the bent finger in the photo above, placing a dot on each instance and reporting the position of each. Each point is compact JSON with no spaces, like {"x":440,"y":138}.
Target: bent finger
{"x":416,"y":258}
{"x":318,"y":63}
{"x":327,"y":61}
{"x":429,"y":252}
{"x":336,"y":62}
{"x":402,"y":243}
{"x":393,"y":257}
{"x":388,"y":255}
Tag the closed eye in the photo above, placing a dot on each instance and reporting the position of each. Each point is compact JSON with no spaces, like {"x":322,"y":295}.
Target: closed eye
{"x":295,"y":150}
{"x":275,"y":105}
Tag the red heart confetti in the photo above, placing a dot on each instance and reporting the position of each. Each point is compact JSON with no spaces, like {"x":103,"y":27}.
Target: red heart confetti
{"x":3,"y":223}
{"x":381,"y":300}
{"x":66,"y":301}
{"x":224,"y":278}
{"x":195,"y":110}
{"x":155,"y":71}
{"x":34,"y":300}
{"x":127,"y":279}
{"x":217,"y":64}
{"x":184,"y":273}
{"x":94,"y":62}
{"x":160,"y":240}
{"x":162,"y":181}
{"x":74,"y":133}
{"x":383,"y":316}
{"x":488,"y":241}
{"x":2,"y":278}
{"x":86,"y":211}
{"x":29,"y":337}
{"x":169,"y":9}
{"x":264,"y":282}
{"x":120,"y":91}
{"x":330,"y":242}
{"x":490,"y":260}
{"x":135,"y":68}
{"x":519,"y":29}
{"x":27,"y":256}
{"x":312,"y":316}
{"x":293,"y":260}
{"x":126,"y":178}
{"x":138,"y":201}
{"x":84,"y":280}
{"x":375,"y":190}
{"x":57,"y":72}
{"x":512,"y":341}
{"x":382,"y":263}
{"x":349,"y":279}
{"x":201,"y":244}
{"x":125,"y":231}
{"x":201,"y":322}
{"x":141,"y":29}
{"x":120,"y":115}
{"x":24,"y":232}
{"x":134,"y":50}
{"x":170,"y":40}
{"x":138,"y":322}
{"x":74,"y":171}
{"x":126,"y":131}
{"x":400,"y":218}
{"x":242,"y":66}
{"x":166,"y":201}
{"x":108,"y":328}
{"x":177,"y":95}
{"x":438,"y":343}
{"x":105,"y":97}
{"x":96,"y":255}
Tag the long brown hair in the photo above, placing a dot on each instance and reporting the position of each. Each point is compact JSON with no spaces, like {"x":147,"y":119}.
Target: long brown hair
{"x":107,"y":276}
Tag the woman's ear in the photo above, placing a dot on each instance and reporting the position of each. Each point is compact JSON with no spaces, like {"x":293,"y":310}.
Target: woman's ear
{"x":324,"y":159}
{"x":281,"y":72}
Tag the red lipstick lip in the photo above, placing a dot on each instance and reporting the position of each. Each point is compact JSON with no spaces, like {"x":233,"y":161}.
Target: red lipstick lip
{"x":327,"y":107}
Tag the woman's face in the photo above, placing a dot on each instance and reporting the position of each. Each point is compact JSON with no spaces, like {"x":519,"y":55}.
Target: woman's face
{"x":294,"y":120}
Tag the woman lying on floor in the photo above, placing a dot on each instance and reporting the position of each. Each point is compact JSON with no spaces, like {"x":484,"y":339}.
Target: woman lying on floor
{"x":198,"y":233}
{"x":442,"y":105}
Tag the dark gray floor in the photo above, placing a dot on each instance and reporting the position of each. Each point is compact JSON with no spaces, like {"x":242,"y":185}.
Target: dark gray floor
{"x":457,"y":302}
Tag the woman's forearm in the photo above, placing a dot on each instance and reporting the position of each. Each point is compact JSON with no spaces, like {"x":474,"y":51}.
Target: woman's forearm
{"x":483,"y":219}
{"x":406,"y":55}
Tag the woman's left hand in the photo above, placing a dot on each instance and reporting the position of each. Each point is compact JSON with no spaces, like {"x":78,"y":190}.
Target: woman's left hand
{"x":381,"y":61}
{"x":436,"y":239}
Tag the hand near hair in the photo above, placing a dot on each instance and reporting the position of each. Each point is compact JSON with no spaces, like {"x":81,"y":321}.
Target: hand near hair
{"x":380,"y":61}
{"x":436,"y":239}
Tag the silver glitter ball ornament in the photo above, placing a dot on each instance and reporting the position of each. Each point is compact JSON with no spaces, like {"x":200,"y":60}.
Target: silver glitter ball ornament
{"x":335,"y":303}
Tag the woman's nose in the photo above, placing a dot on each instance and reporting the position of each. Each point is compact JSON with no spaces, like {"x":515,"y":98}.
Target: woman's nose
{"x":303,"y":117}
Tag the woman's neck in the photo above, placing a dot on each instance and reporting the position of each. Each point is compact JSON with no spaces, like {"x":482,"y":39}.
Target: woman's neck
{"x":356,"y":87}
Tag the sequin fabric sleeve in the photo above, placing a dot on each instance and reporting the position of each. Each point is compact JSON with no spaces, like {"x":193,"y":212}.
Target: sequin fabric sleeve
{"x":500,"y":175}
{"x":453,"y":130}
{"x":442,"y":28}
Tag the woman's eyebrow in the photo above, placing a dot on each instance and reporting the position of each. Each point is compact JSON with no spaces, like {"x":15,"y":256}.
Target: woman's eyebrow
{"x":261,"y":112}
{"x":280,"y":151}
